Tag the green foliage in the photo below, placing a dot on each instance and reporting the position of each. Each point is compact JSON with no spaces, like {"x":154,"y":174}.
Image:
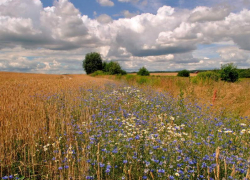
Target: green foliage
{"x":229,"y":73}
{"x":92,"y":62}
{"x":143,"y":72}
{"x":113,"y":68}
{"x":98,"y":73}
{"x":183,"y":73}
{"x":208,"y":76}
{"x":130,"y":77}
{"x":142,"y":80}
{"x":244,"y":73}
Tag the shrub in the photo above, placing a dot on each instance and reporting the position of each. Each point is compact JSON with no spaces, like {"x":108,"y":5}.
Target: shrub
{"x":113,"y":68}
{"x":208,"y":75}
{"x":92,"y":62}
{"x":183,"y":73}
{"x":143,"y":72}
{"x":229,"y":73}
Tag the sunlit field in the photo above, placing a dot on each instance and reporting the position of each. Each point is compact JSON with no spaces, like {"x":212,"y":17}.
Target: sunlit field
{"x":81,"y":127}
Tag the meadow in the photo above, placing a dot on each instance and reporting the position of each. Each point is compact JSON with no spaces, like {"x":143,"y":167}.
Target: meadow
{"x":82,"y":127}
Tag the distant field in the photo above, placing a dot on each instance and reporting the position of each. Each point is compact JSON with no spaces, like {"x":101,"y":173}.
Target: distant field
{"x":166,"y":74}
{"x":59,"y":127}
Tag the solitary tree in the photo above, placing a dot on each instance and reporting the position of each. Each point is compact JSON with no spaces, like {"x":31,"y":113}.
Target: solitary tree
{"x":143,"y":72}
{"x":92,"y":62}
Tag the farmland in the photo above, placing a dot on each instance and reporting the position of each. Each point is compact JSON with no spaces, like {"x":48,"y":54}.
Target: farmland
{"x":82,"y":127}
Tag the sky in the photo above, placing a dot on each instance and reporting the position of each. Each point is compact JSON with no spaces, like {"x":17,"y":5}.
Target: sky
{"x":53,"y":36}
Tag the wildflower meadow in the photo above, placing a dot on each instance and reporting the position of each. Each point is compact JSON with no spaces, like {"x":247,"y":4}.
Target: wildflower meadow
{"x":101,"y":129}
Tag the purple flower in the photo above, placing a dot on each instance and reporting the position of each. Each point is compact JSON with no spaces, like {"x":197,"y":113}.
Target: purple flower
{"x":60,"y":168}
{"x":107,"y":171}
{"x":89,"y":177}
{"x":125,"y":161}
{"x":137,"y":137}
{"x":171,"y":178}
{"x":161,"y":171}
{"x":102,"y":165}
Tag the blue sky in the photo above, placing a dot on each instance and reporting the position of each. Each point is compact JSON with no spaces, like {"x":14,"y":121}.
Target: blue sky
{"x":47,"y":36}
{"x":88,"y":7}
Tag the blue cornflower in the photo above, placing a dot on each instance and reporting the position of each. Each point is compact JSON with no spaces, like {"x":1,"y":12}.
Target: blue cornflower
{"x":137,"y":137}
{"x":125,"y":161}
{"x":204,"y":165}
{"x":161,"y":171}
{"x":108,"y":166}
{"x":171,"y":178}
{"x":89,"y":177}
{"x":102,"y":165}
{"x":115,"y":151}
{"x":66,"y":167}
{"x":5,"y":177}
{"x":144,"y":177}
{"x":60,"y":168}
{"x":156,"y":160}
{"x":147,"y":163}
{"x":107,"y":170}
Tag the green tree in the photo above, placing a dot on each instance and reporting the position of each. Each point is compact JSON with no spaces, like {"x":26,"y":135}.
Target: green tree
{"x":183,"y":73}
{"x":92,"y":62}
{"x":229,"y":72}
{"x":143,"y":72}
{"x":113,"y":68}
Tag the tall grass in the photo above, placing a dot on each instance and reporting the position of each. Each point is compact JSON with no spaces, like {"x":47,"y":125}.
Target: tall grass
{"x":79,"y":127}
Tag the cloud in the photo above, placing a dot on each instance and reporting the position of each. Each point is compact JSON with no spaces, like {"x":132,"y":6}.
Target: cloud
{"x":233,"y":54}
{"x":203,"y":14}
{"x":105,"y":2}
{"x":104,"y":18}
{"x":133,"y":1}
{"x":128,"y":14}
{"x":56,"y":39}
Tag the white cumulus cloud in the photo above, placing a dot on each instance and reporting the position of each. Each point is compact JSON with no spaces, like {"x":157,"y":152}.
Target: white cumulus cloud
{"x":55,"y":39}
{"x":105,"y":2}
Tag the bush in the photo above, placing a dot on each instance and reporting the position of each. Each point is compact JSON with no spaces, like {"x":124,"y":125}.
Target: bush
{"x":113,"y":68}
{"x":143,"y":72}
{"x":229,"y":72}
{"x":183,"y":73}
{"x":208,"y":75}
{"x":92,"y":62}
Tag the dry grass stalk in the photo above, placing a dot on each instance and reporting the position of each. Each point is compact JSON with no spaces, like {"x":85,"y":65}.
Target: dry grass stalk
{"x":218,"y":162}
{"x":233,"y":171}
{"x":225,"y":165}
